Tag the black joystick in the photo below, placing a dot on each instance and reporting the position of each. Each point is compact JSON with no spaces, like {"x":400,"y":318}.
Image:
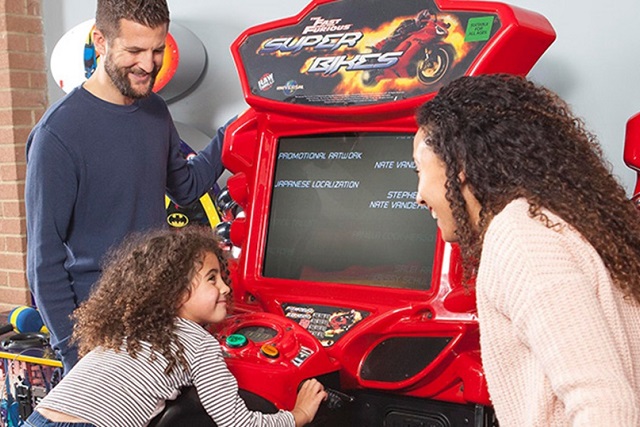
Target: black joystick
{"x":336,"y":399}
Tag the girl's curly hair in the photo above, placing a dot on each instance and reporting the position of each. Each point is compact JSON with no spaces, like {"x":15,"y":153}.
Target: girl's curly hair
{"x":512,"y":139}
{"x":139,"y":292}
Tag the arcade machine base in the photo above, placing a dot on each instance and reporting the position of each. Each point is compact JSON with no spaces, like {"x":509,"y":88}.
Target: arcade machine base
{"x":367,"y":409}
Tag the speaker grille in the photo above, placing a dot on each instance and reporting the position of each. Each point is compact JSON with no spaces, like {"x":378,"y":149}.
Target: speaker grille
{"x":400,"y":358}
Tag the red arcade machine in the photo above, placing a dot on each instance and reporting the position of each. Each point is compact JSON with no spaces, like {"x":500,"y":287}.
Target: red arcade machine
{"x":341,"y":274}
{"x":632,"y":152}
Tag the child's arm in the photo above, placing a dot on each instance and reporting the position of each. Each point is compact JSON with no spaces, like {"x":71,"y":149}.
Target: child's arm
{"x":310,"y":395}
{"x":218,"y":391}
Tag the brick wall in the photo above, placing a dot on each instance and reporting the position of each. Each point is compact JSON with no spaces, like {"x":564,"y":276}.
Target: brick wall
{"x":23,"y":99}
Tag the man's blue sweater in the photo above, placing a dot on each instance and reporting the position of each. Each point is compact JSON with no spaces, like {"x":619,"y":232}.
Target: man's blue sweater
{"x":96,"y":172}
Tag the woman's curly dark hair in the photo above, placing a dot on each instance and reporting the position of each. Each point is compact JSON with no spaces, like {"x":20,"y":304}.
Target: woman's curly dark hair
{"x":512,"y":139}
{"x":139,"y":292}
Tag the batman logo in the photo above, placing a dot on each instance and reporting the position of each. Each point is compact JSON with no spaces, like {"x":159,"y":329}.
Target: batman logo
{"x":177,"y":220}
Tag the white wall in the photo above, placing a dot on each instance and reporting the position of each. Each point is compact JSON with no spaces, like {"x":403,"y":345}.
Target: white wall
{"x":592,"y":64}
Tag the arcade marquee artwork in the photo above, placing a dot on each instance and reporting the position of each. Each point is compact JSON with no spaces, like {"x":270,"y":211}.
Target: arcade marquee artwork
{"x":383,"y":52}
{"x":340,"y":275}
{"x":362,"y":53}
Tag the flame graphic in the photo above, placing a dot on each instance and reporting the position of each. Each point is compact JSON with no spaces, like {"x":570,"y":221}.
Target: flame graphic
{"x":351,"y":82}
{"x":456,"y":37}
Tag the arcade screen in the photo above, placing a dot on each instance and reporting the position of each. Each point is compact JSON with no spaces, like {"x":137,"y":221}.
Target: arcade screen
{"x":343,"y":210}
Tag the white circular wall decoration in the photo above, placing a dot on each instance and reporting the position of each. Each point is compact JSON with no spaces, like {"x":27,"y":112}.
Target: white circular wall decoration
{"x":73,"y":60}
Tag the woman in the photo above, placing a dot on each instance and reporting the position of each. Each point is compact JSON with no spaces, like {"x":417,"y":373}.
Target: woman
{"x":515,"y":179}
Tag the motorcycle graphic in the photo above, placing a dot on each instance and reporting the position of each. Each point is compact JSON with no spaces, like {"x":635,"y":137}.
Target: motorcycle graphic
{"x":425,"y":54}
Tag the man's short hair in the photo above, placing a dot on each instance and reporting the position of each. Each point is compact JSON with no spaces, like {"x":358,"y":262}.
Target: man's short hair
{"x":150,"y":13}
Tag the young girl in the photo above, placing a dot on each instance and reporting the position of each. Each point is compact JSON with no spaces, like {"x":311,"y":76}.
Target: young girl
{"x":513,"y":177}
{"x":142,"y":336}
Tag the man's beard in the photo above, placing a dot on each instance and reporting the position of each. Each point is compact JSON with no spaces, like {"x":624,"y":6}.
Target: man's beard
{"x":120,"y":78}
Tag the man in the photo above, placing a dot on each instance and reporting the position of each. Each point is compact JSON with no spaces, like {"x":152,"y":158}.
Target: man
{"x":100,"y":161}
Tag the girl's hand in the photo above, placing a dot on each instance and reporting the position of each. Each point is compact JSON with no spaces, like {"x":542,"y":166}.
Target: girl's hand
{"x":310,"y":395}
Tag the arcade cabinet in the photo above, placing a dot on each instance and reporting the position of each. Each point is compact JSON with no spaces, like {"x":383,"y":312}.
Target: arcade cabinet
{"x":632,"y":152}
{"x":341,"y":275}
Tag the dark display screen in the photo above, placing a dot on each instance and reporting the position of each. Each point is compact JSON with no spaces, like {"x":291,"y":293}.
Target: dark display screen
{"x":257,"y":334}
{"x":343,"y":210}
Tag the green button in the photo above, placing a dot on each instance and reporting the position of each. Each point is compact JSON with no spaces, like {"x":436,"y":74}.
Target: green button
{"x":236,"y":340}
